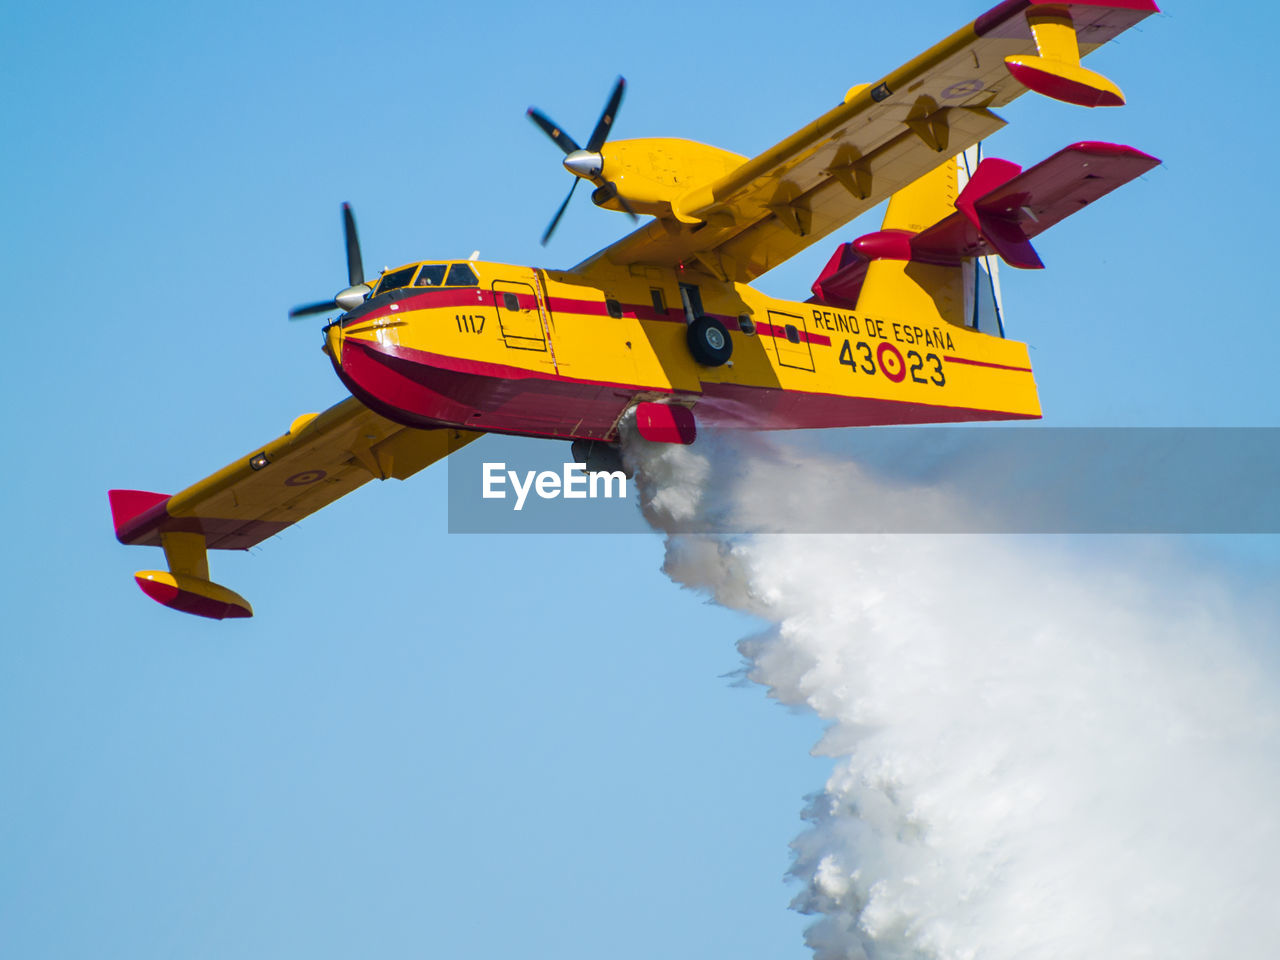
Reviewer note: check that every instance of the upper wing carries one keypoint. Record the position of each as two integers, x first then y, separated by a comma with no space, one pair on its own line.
321,458
881,138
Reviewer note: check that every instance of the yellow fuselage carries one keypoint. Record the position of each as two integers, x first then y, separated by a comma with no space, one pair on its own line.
549,353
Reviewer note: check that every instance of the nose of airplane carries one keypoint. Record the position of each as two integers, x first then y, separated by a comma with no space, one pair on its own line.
333,342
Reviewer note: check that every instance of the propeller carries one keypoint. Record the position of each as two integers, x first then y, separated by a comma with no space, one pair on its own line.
357,290
585,163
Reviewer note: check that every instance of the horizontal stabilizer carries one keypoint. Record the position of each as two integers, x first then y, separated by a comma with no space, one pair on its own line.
1000,218
999,212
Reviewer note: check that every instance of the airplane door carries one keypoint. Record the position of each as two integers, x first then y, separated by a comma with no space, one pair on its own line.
791,340
518,315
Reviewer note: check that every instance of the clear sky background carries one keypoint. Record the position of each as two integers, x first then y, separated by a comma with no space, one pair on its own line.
441,745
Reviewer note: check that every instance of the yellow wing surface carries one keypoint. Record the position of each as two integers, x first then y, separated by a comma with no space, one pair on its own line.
883,136
322,457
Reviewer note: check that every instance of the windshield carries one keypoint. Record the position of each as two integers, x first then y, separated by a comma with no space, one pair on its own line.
395,279
431,275
461,275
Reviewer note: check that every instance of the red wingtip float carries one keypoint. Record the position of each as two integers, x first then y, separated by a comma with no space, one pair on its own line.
192,595
1058,30
663,324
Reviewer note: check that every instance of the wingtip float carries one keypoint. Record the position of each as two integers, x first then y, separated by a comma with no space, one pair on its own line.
1063,33
141,517
663,324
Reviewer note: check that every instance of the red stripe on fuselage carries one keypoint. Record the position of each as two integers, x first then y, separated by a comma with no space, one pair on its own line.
769,330
474,296
984,363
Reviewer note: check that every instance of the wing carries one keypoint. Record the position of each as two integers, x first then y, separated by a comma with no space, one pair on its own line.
881,138
322,457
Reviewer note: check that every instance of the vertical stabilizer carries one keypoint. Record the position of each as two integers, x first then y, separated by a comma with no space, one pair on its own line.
931,292
984,310
922,203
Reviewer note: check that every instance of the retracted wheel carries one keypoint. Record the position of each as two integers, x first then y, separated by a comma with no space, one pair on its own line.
709,342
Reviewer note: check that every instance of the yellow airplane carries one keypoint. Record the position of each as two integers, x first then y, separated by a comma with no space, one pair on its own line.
662,324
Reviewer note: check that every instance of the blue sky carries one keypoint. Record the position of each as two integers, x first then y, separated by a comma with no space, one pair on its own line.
426,743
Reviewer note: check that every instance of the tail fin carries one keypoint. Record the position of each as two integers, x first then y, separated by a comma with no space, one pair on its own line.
897,286
984,307
921,204
934,273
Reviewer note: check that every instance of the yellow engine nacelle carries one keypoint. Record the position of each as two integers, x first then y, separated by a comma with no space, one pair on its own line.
651,173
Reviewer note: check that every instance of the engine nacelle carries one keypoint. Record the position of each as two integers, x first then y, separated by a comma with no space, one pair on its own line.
651,173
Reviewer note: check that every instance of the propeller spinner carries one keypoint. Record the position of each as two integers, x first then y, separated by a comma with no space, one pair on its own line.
357,290
585,163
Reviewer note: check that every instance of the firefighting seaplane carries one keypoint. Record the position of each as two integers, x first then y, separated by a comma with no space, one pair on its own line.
662,325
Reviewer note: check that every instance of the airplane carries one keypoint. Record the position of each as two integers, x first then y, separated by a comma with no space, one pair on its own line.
662,326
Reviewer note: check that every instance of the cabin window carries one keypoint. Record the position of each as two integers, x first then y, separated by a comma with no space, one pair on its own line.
614,308
431,275
792,333
461,275
659,301
746,325
511,302
396,279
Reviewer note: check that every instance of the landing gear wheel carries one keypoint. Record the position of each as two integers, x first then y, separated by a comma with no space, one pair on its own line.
709,342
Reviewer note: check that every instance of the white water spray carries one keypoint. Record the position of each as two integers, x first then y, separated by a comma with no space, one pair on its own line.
1037,753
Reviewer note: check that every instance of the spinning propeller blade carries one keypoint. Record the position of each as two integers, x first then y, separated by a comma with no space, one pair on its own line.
586,162
559,213
355,265
557,135
357,290
601,132
310,309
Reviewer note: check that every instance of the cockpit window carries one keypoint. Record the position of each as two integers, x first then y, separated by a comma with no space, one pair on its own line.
396,279
461,275
431,275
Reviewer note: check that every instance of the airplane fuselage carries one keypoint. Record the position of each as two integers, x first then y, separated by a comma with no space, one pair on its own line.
552,354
